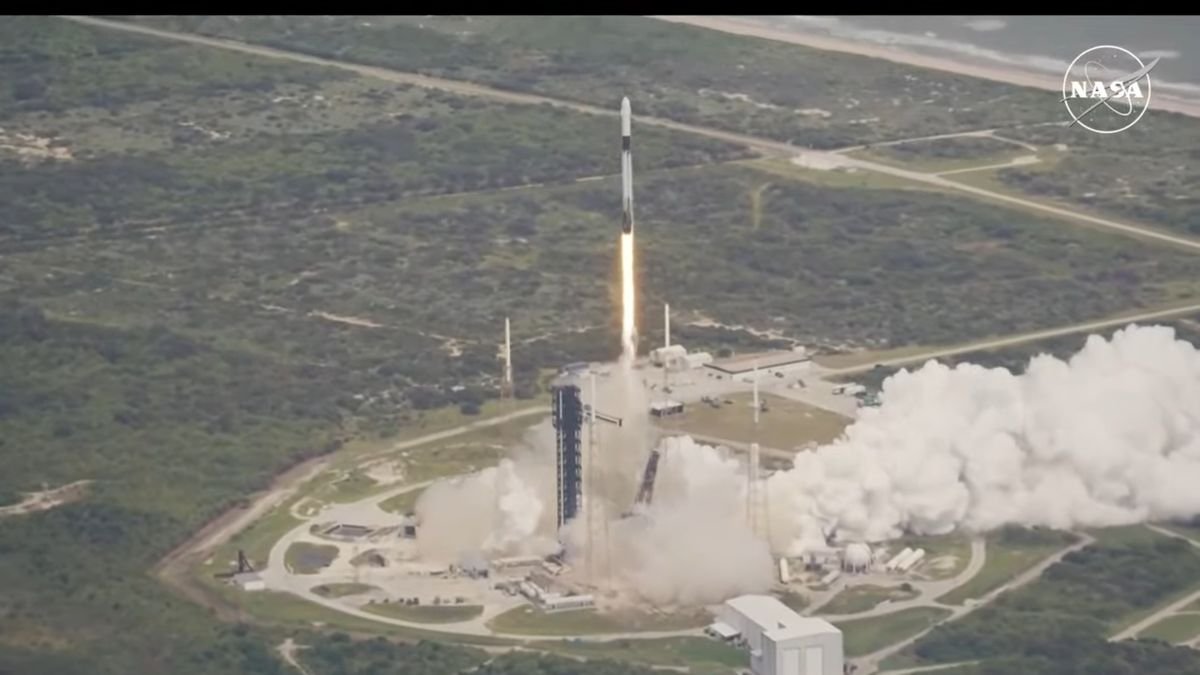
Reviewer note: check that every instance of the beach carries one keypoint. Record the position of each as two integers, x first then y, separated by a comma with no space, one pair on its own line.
1014,76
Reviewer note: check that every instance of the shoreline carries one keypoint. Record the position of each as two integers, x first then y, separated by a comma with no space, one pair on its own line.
1013,76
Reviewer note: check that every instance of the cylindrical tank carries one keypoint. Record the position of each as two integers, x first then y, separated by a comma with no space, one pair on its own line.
857,557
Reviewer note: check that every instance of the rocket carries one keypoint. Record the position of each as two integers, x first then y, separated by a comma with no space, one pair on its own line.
626,167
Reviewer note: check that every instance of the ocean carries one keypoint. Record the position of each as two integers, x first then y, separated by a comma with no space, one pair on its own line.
1043,44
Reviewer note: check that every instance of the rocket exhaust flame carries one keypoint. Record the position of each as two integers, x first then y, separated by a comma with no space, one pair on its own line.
628,329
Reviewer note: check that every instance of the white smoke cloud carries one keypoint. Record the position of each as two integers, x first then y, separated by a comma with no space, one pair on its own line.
1109,437
692,547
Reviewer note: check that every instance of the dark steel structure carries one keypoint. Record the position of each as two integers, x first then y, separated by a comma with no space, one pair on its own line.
645,493
568,428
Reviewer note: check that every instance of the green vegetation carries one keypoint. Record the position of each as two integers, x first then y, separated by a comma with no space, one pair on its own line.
864,636
1010,551
796,601
220,266
342,590
305,558
337,655
1174,629
425,613
528,620
692,652
699,76
402,503
946,154
1062,620
791,93
786,424
1157,192
862,598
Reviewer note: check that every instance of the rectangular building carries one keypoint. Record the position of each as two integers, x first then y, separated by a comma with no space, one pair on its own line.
780,641
769,363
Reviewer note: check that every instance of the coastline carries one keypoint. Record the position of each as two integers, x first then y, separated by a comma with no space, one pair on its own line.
1014,76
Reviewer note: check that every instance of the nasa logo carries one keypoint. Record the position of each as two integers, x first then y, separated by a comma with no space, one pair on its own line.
1103,89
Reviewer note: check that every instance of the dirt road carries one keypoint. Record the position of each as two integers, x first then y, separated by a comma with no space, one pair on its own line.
763,145
870,663
1132,631
1016,340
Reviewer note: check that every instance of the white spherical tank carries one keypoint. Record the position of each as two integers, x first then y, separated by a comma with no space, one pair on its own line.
857,556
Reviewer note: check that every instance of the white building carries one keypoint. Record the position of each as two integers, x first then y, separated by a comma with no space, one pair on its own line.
781,642
249,581
665,355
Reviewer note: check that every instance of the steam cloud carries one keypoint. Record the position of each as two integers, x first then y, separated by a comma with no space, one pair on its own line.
1110,436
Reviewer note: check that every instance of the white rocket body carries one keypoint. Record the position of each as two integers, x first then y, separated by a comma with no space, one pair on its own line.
626,167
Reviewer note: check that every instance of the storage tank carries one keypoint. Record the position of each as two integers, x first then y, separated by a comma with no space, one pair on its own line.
899,557
912,560
857,557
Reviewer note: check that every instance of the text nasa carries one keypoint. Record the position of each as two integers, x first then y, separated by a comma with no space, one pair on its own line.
1118,89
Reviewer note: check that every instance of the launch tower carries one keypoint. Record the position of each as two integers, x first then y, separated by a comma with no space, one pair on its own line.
568,428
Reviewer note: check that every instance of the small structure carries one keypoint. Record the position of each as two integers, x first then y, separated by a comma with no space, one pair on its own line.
784,574
897,559
249,581
722,631
851,389
347,531
769,363
664,356
911,561
408,526
780,641
856,558
517,561
666,408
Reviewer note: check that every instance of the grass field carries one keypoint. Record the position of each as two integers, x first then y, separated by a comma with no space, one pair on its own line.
1006,558
342,590
861,598
526,619
863,636
305,558
1175,629
401,503
793,599
786,425
945,154
426,613
692,652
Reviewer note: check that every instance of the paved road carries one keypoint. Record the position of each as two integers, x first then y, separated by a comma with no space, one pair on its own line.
761,144
1016,340
1023,160
929,590
1173,608
278,578
929,669
870,663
